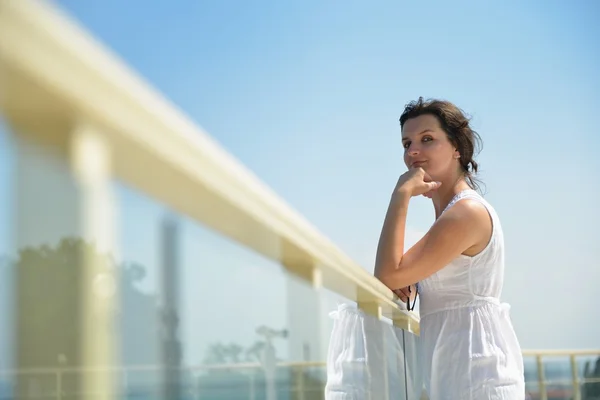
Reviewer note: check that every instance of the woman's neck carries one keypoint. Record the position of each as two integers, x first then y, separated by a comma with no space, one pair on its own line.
446,193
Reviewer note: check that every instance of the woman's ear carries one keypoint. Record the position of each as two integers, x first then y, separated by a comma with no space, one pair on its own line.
456,154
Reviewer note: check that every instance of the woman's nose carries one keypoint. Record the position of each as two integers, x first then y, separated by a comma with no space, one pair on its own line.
413,150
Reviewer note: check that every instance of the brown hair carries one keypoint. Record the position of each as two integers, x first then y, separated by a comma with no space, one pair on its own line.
456,125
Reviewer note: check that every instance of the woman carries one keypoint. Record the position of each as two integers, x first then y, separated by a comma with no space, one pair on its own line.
470,350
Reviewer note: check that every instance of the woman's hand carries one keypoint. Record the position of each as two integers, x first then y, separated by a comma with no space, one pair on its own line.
404,293
415,182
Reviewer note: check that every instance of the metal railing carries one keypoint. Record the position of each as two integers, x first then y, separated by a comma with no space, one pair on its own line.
563,387
63,92
568,388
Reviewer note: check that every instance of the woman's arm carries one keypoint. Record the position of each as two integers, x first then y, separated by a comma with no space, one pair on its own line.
393,231
391,241
390,249
457,230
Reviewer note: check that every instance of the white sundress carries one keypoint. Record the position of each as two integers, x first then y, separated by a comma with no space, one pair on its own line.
469,347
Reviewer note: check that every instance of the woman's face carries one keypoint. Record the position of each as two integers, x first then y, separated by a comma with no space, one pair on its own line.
426,145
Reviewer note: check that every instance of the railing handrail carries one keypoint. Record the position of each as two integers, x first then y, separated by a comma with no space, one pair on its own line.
46,57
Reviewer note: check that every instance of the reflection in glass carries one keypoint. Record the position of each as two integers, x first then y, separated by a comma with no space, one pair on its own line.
235,319
62,288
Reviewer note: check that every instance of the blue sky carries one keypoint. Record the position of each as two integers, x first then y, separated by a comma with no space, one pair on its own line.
307,94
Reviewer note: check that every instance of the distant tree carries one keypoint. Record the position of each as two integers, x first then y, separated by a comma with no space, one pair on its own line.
220,382
232,383
254,352
48,275
219,353
46,284
215,354
133,273
234,351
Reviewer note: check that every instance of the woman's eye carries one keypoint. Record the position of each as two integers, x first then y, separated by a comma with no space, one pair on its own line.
427,139
406,145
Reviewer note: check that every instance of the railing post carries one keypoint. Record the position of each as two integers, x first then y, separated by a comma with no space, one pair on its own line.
575,377
541,378
371,308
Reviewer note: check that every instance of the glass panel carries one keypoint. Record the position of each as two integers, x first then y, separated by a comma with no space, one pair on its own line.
229,314
249,326
241,326
198,316
243,318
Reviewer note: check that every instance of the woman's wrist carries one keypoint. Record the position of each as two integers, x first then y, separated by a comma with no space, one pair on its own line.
401,196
